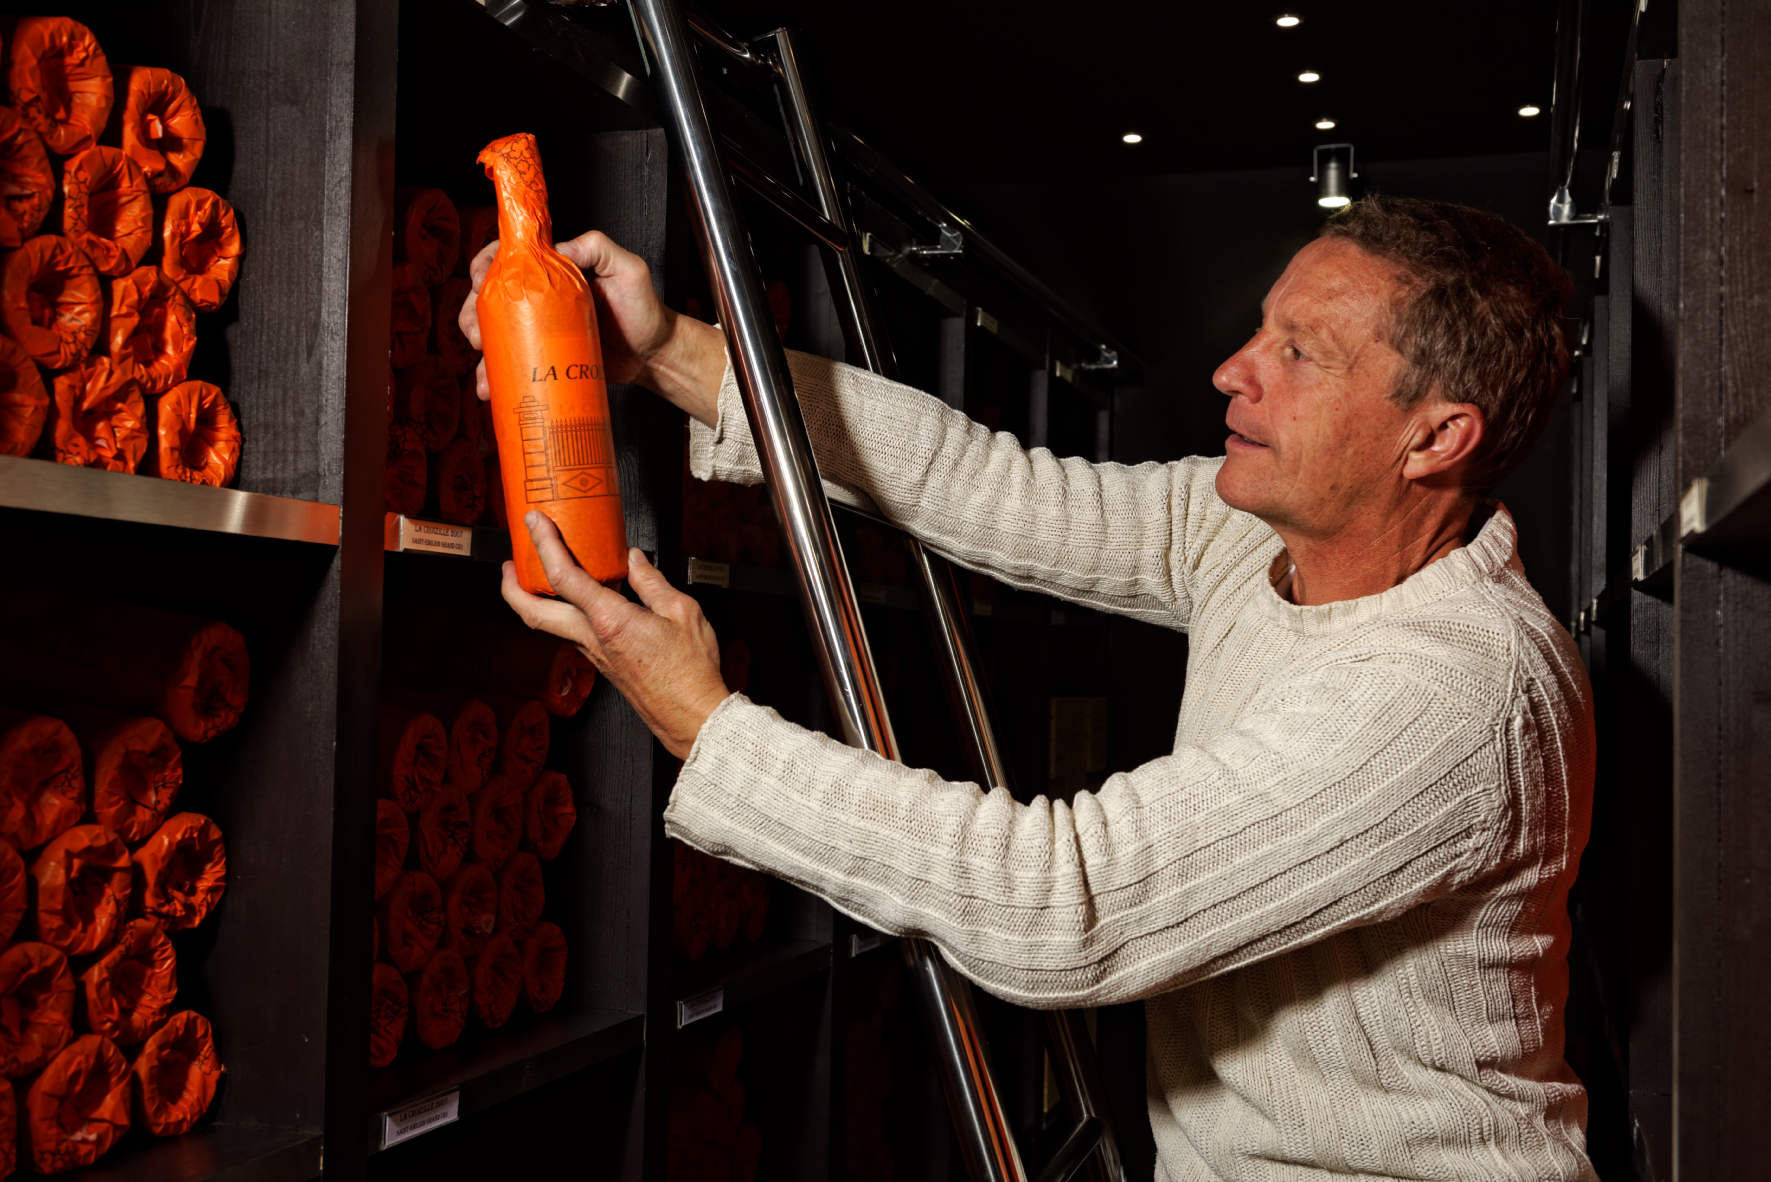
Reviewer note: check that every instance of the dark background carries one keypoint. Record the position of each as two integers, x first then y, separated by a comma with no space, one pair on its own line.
1012,114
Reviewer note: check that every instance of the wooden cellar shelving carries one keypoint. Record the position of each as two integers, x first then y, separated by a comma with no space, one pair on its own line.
316,117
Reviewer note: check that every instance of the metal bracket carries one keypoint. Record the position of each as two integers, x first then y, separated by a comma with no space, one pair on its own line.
951,245
1562,211
1104,358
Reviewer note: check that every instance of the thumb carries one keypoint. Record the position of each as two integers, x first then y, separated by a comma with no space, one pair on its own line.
648,582
594,252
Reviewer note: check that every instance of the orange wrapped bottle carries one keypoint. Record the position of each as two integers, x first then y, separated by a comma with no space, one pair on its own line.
550,407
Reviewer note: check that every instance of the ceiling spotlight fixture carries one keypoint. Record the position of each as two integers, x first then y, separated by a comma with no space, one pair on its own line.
1132,137
1288,21
1309,76
1331,167
1324,125
1529,112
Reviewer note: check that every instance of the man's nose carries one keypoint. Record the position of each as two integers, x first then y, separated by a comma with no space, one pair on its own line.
1236,376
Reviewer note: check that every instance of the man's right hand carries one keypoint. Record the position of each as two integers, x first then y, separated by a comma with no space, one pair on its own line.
643,341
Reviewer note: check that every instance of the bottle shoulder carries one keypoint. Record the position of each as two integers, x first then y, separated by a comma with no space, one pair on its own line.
528,272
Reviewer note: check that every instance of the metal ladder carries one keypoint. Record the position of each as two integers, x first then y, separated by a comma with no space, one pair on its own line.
845,660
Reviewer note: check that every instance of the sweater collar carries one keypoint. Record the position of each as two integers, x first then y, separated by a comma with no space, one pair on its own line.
1494,547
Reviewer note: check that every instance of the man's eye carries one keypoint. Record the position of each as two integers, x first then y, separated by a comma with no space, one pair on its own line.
1295,353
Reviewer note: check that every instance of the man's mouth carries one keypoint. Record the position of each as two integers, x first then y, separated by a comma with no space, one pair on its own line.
1238,437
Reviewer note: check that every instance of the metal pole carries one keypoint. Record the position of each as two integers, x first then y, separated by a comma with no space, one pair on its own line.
870,350
941,597
825,590
761,367
1565,111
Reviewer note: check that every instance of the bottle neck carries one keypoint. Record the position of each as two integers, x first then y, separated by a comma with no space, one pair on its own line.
517,223
514,164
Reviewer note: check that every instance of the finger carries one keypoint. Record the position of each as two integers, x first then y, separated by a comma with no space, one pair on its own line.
476,270
468,318
547,615
596,252
569,581
649,583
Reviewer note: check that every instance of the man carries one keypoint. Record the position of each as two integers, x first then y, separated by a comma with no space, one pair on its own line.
1343,896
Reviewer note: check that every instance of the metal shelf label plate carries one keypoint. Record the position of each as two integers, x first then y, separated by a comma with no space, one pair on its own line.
421,1116
711,574
702,1005
429,537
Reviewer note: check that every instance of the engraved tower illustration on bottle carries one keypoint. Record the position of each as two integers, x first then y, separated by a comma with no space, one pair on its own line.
562,459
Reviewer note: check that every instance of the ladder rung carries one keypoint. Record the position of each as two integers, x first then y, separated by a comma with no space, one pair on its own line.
764,184
727,44
1073,1152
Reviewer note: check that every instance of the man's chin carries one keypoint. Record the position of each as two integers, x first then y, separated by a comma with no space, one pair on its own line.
1232,490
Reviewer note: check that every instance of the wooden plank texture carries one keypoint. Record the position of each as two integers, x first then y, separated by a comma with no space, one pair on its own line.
1722,732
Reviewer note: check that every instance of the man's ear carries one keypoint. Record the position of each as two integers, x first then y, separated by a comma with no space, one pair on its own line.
1447,435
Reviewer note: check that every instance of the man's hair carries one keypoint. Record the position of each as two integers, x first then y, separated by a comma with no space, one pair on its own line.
1479,319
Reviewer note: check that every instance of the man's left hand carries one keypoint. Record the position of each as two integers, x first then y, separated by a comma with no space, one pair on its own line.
660,653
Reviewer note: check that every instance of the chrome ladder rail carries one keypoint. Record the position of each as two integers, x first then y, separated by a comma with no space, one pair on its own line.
825,589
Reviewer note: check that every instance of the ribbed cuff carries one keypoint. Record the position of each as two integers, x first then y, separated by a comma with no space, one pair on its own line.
724,451
689,815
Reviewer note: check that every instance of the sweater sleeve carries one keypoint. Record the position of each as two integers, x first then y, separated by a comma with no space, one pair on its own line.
1025,517
1351,795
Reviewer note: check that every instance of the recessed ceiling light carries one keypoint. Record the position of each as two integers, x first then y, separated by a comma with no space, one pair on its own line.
1324,125
1132,137
1309,76
1529,112
1288,21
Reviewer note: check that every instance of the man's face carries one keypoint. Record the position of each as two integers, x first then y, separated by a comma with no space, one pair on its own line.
1315,439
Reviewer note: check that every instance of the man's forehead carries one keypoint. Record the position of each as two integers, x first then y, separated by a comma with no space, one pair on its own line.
1331,280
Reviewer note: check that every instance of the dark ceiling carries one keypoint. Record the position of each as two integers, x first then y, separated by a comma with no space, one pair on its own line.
993,90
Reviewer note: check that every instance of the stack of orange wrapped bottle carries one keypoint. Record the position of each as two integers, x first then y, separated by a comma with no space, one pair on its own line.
733,523
715,905
100,875
467,816
441,457
709,1136
98,314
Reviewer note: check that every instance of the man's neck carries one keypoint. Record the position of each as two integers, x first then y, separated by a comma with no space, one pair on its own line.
1365,558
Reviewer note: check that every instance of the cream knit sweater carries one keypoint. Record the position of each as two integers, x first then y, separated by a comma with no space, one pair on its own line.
1342,897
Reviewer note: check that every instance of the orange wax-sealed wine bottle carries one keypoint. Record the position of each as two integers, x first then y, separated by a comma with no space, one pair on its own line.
550,407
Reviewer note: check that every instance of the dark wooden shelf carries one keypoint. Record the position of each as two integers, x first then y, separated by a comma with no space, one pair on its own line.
218,1152
488,1067
1725,515
1731,509
46,487
722,983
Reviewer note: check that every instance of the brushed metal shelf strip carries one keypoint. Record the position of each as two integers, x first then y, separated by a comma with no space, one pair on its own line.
45,487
